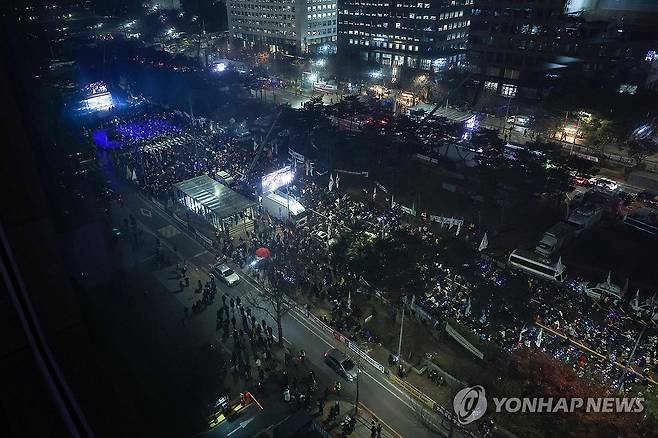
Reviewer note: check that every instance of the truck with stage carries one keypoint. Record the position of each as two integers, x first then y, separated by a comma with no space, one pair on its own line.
285,209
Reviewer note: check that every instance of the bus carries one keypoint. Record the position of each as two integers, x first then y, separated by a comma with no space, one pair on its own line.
533,264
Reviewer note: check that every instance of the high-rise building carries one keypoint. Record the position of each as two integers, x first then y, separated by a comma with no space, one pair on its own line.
292,26
512,44
524,48
425,34
170,5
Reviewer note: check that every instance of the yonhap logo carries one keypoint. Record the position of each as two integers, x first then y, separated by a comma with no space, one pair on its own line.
470,404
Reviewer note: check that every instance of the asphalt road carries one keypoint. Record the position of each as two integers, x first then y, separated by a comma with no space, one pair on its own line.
394,406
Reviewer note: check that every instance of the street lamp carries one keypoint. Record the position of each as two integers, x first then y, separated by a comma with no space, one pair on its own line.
404,303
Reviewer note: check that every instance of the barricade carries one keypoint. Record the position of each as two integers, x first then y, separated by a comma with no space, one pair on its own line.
415,392
352,346
203,237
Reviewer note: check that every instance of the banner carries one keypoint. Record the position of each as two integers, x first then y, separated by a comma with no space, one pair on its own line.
351,172
355,348
415,392
462,340
381,187
296,155
411,211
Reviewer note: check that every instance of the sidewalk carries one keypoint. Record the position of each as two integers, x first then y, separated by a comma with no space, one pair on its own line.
365,421
187,296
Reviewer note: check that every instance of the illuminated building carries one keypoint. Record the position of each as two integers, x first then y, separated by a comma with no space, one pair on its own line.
291,26
523,48
428,35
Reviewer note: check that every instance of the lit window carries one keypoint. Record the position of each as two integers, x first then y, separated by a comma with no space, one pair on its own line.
508,90
491,86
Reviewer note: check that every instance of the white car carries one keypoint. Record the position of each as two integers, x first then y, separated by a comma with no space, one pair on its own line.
605,183
226,274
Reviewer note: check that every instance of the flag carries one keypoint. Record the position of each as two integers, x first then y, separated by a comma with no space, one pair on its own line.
539,336
374,193
484,243
468,307
608,280
559,267
459,227
392,202
523,329
337,179
134,176
635,302
349,300
128,172
331,182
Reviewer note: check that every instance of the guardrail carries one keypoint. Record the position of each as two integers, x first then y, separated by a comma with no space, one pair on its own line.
444,414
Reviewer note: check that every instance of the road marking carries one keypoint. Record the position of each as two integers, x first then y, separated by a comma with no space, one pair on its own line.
379,419
312,330
242,425
199,254
271,426
306,325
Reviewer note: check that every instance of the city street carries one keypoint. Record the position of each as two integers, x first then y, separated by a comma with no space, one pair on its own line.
289,96
376,391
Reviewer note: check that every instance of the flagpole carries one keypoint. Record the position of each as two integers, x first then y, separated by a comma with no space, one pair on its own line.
628,362
404,302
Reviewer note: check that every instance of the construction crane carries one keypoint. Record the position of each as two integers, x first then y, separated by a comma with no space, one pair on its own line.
438,105
259,151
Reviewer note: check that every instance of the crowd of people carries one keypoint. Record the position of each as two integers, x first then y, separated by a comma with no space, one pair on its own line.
503,313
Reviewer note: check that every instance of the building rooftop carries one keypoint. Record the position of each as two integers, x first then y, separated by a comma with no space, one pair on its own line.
220,199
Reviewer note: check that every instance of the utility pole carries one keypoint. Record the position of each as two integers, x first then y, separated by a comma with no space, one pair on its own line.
404,304
358,372
628,362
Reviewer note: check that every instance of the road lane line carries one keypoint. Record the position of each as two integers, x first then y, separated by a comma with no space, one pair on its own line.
308,328
305,324
363,405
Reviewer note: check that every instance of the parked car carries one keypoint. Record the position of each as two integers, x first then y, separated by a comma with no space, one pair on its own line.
342,364
581,180
604,183
226,274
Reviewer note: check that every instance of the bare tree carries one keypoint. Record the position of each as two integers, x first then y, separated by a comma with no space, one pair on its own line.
272,300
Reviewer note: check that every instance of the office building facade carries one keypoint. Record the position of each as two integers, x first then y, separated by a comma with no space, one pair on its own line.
290,26
524,48
512,43
427,35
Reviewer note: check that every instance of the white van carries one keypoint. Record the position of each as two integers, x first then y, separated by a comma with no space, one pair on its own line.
536,265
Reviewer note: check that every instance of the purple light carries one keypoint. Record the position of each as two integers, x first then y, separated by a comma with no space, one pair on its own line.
110,138
471,123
